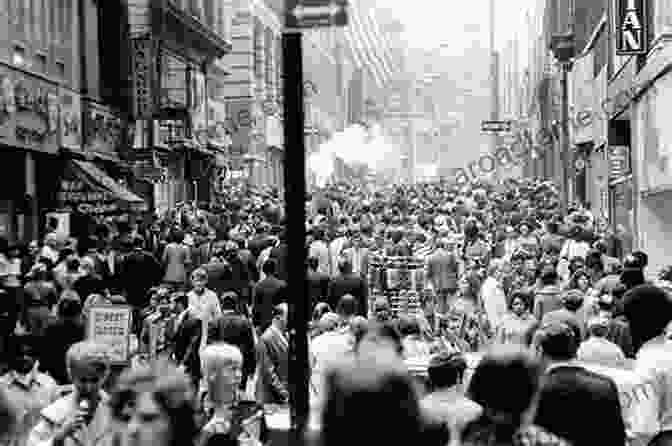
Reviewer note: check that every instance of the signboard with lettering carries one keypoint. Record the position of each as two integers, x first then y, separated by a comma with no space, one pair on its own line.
143,65
71,119
631,27
316,13
111,325
29,112
244,123
496,126
618,161
103,129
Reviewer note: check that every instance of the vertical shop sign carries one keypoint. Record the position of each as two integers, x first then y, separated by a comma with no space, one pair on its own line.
143,77
631,27
71,120
618,162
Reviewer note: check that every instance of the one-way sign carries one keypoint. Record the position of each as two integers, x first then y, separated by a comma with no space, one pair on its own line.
316,13
496,126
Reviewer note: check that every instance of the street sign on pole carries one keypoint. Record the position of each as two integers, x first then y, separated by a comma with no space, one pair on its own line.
496,126
316,13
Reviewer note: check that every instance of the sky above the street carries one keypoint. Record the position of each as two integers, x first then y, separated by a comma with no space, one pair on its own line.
456,22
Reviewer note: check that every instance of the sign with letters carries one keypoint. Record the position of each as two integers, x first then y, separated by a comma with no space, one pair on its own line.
631,27
111,325
143,63
316,13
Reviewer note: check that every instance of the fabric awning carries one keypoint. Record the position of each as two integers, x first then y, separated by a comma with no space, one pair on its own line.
87,189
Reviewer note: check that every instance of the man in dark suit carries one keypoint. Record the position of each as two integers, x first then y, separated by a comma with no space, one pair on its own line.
235,329
318,283
574,391
138,272
349,283
273,360
267,294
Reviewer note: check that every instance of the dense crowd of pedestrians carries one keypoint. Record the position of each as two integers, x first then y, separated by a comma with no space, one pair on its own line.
530,317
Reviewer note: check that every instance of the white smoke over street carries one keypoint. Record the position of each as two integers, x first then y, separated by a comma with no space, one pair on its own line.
355,144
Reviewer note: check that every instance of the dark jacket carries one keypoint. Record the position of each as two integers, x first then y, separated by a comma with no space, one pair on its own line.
219,274
572,396
235,330
58,337
186,344
318,287
273,365
139,271
267,294
88,285
279,254
350,284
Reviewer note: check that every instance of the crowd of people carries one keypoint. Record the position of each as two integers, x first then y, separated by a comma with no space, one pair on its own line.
522,305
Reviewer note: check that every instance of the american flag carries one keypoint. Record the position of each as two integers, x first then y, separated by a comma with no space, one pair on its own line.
368,46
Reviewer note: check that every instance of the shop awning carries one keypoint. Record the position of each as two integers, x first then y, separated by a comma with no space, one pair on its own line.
87,189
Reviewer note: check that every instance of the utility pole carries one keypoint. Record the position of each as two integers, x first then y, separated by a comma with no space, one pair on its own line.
295,197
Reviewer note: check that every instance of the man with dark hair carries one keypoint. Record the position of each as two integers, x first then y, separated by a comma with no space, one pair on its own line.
318,283
557,343
446,403
235,329
349,283
266,294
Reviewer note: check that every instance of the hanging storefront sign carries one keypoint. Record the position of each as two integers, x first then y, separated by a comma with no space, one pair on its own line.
143,63
199,109
29,112
244,124
618,162
631,27
71,120
103,129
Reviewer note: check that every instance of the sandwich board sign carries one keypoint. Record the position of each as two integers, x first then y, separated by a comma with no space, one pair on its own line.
302,14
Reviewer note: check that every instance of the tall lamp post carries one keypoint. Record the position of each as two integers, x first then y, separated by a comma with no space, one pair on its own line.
562,46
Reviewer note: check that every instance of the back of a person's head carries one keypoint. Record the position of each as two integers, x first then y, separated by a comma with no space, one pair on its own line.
558,339
446,369
505,381
648,309
580,406
409,326
370,401
270,266
69,307
572,300
386,331
347,306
